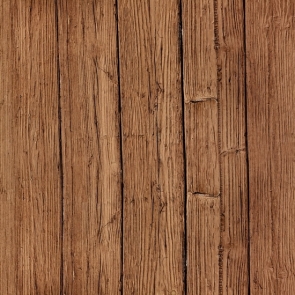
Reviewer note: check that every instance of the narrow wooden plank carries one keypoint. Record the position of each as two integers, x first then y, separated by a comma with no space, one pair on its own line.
225,20
270,72
203,213
30,185
152,147
202,147
234,275
203,184
203,174
91,147
199,58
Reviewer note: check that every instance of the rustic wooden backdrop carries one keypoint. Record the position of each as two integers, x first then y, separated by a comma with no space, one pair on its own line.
147,147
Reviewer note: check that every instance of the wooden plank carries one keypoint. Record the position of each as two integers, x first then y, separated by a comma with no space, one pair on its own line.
30,185
203,223
91,147
199,58
270,72
203,173
202,147
207,25
234,273
152,147
203,182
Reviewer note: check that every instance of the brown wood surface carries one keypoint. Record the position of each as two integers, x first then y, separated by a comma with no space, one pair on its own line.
30,182
150,77
147,147
234,264
91,147
271,125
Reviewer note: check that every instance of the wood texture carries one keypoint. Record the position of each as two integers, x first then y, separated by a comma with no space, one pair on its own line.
30,186
214,77
203,223
202,147
234,268
91,147
271,127
147,147
152,147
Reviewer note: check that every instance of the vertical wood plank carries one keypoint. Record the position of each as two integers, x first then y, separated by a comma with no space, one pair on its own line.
199,58
203,223
152,146
270,72
91,147
223,21
30,185
202,149
229,24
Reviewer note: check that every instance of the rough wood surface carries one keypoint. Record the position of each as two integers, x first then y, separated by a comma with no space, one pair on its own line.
271,125
30,186
91,147
202,149
234,269
153,165
203,223
215,140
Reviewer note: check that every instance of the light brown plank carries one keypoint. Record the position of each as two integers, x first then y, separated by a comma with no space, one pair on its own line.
224,31
30,186
199,58
271,104
203,173
234,182
152,147
203,223
91,147
203,184
202,149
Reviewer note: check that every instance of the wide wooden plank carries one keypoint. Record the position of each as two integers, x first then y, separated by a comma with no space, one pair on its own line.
30,183
234,268
153,165
91,147
271,104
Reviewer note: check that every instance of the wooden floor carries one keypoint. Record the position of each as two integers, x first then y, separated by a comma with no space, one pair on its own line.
147,147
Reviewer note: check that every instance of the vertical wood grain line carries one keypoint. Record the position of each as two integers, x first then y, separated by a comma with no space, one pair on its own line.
184,149
121,148
218,75
61,170
247,146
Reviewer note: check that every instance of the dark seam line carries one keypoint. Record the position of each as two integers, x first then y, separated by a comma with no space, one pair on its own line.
60,151
218,83
121,145
247,146
185,243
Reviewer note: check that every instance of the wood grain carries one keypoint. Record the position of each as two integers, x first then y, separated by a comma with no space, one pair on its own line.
216,80
234,266
152,147
203,223
91,147
30,183
270,64
202,147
